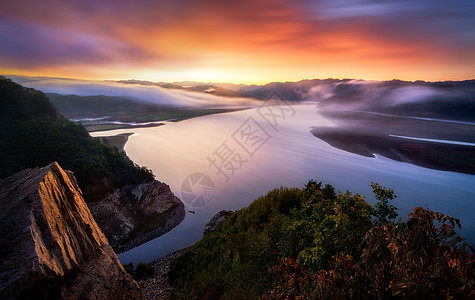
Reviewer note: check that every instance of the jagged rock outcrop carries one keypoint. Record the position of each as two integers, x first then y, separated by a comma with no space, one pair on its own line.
216,219
50,245
133,215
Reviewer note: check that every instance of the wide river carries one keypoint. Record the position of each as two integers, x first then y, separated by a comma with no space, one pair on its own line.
237,157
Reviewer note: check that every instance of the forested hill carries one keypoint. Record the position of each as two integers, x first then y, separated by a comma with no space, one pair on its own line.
34,134
315,243
18,103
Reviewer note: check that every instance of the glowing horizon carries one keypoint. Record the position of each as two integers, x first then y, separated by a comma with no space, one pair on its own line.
250,42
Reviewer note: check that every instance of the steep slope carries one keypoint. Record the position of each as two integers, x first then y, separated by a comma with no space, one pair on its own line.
33,134
50,246
317,243
135,214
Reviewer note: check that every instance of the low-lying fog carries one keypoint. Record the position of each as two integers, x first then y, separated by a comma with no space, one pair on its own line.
141,93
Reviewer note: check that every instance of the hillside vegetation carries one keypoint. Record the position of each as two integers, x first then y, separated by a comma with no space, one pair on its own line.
314,243
34,134
100,113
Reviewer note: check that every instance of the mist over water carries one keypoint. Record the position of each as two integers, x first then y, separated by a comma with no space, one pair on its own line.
141,93
289,157
359,93
284,152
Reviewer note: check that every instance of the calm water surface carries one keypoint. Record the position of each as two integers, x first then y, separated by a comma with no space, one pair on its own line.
280,153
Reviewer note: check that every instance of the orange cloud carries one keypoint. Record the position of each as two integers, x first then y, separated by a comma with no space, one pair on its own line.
247,41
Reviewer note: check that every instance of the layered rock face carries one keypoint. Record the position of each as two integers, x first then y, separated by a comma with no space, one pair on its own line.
133,215
50,245
216,220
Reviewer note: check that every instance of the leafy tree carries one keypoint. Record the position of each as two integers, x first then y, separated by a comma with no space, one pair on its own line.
144,270
314,243
382,210
129,268
424,257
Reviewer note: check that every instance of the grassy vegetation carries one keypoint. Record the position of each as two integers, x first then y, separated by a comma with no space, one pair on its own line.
122,109
74,105
34,134
118,141
180,115
314,243
175,114
105,127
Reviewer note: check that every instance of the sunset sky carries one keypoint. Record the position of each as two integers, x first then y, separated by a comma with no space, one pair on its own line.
239,41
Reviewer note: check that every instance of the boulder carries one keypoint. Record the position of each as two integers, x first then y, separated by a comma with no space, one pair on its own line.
216,219
135,214
50,245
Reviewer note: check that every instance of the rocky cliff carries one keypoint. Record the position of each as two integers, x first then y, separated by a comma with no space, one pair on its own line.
135,214
216,220
28,119
50,245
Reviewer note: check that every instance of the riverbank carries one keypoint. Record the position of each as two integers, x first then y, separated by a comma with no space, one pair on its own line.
111,126
145,119
118,141
158,287
179,149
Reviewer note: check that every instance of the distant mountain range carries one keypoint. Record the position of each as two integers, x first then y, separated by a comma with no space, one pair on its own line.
224,90
452,100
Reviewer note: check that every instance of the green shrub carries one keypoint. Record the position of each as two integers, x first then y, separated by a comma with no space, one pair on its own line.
314,243
142,271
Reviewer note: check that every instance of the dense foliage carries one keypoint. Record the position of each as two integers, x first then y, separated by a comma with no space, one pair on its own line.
314,243
34,134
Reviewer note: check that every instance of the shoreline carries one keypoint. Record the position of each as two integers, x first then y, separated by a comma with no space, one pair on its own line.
370,170
158,286
106,126
118,140
111,126
173,218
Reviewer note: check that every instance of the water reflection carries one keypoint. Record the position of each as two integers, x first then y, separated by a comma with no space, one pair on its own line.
290,157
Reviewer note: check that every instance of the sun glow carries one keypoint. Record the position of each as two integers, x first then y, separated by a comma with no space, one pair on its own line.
247,42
